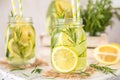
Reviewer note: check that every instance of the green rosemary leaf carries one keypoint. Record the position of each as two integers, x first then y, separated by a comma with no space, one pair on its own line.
50,78
36,70
82,54
70,41
61,15
100,13
17,69
71,33
54,37
82,42
12,15
25,74
84,74
7,53
103,69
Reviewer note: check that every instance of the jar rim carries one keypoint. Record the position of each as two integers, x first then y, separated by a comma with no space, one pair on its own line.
17,19
68,20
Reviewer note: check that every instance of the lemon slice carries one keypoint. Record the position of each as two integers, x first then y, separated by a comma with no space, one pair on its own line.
65,4
58,7
107,54
26,33
81,48
13,48
29,49
81,64
64,59
62,5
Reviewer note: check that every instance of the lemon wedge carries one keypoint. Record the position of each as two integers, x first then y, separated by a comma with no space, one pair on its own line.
13,48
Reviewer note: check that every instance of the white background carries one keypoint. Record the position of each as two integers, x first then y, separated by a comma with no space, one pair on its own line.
37,10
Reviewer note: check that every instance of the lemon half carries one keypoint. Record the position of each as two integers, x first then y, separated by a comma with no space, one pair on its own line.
107,54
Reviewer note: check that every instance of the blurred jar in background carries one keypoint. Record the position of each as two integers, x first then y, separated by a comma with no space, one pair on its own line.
57,9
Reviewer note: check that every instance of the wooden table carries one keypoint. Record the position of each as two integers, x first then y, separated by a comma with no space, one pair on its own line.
44,53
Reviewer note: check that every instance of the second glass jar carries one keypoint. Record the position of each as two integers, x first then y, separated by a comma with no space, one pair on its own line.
68,46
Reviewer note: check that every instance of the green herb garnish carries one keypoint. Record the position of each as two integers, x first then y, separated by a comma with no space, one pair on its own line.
17,69
103,69
71,32
11,14
54,38
98,15
50,78
25,74
36,70
84,74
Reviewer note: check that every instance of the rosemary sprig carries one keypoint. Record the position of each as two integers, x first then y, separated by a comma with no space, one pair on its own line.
82,54
11,14
50,78
100,12
7,53
25,74
17,69
61,15
84,74
36,70
103,69
71,32
54,38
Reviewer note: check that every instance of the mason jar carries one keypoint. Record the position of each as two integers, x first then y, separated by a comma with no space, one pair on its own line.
20,41
68,46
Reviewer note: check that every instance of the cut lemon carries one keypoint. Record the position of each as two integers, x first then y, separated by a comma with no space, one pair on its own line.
26,33
13,48
18,51
64,59
107,54
58,7
115,44
81,48
81,64
28,50
65,4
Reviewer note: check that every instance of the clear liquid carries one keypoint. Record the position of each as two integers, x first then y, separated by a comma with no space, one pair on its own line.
20,43
74,38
